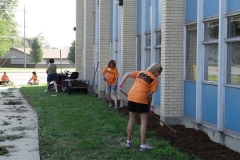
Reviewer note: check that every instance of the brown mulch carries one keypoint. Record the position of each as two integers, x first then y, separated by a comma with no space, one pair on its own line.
189,140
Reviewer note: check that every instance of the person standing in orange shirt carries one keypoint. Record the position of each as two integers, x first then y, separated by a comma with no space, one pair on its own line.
139,100
110,76
5,78
34,78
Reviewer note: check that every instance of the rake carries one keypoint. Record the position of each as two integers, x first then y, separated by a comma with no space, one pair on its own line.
160,120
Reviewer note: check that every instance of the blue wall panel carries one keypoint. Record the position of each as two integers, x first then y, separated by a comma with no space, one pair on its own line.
211,8
190,99
190,10
233,5
209,103
157,95
139,16
147,15
232,109
158,14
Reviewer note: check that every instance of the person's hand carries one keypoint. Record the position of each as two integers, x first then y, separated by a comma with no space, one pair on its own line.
105,79
150,112
114,87
120,87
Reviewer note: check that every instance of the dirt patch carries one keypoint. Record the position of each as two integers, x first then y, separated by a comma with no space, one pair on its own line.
193,142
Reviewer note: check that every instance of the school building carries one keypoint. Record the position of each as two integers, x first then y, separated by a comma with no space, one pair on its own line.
196,41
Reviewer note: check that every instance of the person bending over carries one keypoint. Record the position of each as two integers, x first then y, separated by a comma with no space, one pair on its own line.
139,100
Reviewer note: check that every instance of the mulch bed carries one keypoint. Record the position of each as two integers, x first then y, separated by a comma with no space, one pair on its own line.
193,142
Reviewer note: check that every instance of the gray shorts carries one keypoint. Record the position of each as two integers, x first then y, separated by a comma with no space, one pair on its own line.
109,89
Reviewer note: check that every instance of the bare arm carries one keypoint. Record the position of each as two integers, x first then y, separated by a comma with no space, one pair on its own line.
150,98
128,74
48,66
30,79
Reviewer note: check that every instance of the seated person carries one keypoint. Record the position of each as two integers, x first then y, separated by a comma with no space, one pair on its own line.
34,79
4,79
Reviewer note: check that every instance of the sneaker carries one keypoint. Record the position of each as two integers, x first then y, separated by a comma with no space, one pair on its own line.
110,105
129,144
144,147
56,91
45,90
116,107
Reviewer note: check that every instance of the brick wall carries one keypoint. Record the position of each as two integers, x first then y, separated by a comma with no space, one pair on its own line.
79,37
104,42
89,41
128,40
172,60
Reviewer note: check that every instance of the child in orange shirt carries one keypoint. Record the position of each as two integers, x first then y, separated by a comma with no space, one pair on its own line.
139,100
34,78
5,78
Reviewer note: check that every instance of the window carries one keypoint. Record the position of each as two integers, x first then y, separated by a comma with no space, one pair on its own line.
148,40
233,69
158,46
158,38
211,30
234,26
233,51
148,50
211,51
211,63
191,52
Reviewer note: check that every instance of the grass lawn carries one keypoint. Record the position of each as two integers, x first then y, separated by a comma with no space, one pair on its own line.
81,127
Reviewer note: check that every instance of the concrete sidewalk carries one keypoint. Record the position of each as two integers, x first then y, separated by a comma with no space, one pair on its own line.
18,126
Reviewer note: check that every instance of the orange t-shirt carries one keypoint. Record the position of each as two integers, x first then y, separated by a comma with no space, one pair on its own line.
4,78
111,74
144,82
34,78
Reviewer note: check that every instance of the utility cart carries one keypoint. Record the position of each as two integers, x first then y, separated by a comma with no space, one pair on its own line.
73,84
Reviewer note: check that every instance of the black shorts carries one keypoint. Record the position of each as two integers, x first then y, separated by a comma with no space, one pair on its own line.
137,107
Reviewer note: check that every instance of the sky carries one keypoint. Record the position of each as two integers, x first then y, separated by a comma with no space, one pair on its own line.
53,19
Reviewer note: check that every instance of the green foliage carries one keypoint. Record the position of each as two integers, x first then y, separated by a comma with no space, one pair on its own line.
71,54
79,126
7,14
36,53
4,40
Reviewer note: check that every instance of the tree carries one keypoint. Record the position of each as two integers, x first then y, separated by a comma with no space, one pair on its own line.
4,40
8,31
36,53
71,54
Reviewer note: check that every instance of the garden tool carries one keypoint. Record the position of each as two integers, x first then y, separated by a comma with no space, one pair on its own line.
159,119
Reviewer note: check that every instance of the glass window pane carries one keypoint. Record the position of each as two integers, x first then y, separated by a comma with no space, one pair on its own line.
211,30
211,63
191,53
158,38
234,26
148,58
233,69
148,40
158,52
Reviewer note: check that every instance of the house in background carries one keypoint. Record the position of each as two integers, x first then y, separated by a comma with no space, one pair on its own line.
15,58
